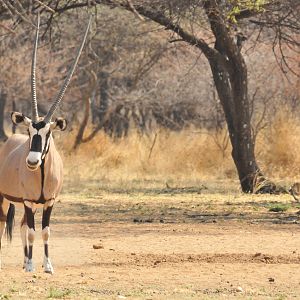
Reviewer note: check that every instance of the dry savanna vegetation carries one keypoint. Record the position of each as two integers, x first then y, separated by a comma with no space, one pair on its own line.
163,217
153,205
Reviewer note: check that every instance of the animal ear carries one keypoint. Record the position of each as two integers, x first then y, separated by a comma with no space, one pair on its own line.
59,124
19,119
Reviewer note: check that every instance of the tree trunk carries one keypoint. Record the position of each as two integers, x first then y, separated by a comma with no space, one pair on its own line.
100,113
3,97
235,104
79,136
231,79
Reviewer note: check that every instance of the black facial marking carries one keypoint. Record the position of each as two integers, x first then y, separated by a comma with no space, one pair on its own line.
36,143
61,123
46,149
39,125
19,118
36,140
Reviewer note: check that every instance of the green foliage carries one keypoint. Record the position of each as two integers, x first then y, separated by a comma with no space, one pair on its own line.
237,6
58,293
279,207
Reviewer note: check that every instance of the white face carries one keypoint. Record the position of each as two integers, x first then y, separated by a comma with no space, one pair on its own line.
39,135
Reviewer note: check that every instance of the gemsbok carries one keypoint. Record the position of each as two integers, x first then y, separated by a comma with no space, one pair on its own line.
31,169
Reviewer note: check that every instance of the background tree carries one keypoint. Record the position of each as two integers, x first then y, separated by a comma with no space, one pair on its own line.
3,95
216,28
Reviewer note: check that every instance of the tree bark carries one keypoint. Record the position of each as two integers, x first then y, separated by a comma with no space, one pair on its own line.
231,80
79,136
100,112
236,109
3,97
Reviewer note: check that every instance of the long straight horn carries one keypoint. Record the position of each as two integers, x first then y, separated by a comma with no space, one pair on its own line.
35,114
68,78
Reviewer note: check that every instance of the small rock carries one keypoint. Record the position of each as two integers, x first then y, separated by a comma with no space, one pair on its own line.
271,279
239,289
98,246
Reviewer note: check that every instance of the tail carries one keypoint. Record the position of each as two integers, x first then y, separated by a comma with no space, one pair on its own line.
10,221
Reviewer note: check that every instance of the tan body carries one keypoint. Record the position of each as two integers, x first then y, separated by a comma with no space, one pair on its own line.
31,170
17,181
30,189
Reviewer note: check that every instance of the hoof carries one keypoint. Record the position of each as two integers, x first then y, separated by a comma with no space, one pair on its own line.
48,266
25,263
29,267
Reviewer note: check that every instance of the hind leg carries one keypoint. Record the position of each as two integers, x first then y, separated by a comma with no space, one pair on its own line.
24,237
4,205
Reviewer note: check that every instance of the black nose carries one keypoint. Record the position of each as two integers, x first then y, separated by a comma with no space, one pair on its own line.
32,163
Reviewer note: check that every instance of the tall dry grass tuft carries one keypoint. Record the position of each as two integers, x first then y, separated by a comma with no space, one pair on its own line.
278,147
186,156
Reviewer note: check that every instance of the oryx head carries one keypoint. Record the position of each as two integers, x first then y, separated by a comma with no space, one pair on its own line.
40,128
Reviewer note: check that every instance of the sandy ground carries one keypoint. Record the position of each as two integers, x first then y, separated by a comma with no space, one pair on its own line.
157,246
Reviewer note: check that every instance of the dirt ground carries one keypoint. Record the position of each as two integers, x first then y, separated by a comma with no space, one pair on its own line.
162,244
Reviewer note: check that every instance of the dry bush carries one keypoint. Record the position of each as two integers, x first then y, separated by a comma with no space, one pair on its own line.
185,155
188,155
278,147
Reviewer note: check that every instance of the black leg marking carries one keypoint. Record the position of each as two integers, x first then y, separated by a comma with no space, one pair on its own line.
45,223
46,250
30,252
29,217
25,251
30,223
46,216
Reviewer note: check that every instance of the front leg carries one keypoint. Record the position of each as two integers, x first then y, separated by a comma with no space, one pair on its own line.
24,237
46,234
30,210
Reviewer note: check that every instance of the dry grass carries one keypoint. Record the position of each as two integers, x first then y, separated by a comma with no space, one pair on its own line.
185,158
180,158
278,148
175,156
